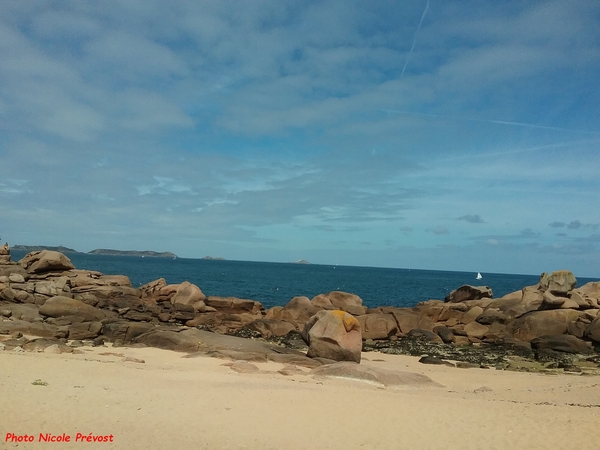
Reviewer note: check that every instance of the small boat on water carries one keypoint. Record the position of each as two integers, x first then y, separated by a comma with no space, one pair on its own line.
478,277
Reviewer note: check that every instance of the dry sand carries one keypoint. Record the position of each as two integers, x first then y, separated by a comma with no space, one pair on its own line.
170,402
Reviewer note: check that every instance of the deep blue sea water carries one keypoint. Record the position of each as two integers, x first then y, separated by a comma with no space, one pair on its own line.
276,283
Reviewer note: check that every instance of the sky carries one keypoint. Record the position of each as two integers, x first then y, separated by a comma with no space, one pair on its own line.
445,135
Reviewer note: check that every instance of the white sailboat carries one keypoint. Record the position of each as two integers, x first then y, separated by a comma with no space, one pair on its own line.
478,277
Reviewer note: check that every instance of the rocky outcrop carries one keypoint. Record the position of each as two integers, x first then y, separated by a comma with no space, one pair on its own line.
468,292
43,295
334,335
64,306
45,261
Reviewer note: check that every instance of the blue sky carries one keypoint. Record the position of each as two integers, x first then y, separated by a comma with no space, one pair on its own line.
440,135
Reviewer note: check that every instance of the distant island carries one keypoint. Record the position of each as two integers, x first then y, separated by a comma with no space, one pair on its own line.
214,258
39,248
104,251
301,261
98,251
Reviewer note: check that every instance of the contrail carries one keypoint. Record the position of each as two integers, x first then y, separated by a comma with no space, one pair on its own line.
499,122
415,38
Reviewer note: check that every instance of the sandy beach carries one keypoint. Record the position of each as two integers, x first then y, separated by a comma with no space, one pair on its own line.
171,402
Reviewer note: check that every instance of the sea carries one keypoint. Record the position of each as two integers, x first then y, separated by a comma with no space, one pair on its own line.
275,284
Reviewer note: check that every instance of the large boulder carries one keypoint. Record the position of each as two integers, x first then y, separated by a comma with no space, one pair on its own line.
45,261
84,330
539,323
408,320
334,335
592,332
588,295
152,289
190,294
64,306
345,301
298,311
468,292
561,282
377,326
561,343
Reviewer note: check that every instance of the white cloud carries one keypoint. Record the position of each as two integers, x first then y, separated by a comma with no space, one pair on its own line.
269,119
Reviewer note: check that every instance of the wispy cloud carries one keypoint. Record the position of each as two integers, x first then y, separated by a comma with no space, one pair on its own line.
471,218
282,126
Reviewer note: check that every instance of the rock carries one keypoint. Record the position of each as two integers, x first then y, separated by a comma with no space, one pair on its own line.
190,294
32,328
490,316
53,287
298,311
424,335
383,377
496,332
345,301
54,348
467,292
539,323
335,335
551,301
169,340
125,331
271,327
16,278
435,361
84,330
45,261
592,332
64,306
431,310
27,312
16,296
561,343
588,293
377,326
322,301
475,330
444,333
233,305
561,282
152,289
471,315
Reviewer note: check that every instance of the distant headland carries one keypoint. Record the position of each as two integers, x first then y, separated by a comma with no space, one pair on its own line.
98,251
39,248
213,258
104,251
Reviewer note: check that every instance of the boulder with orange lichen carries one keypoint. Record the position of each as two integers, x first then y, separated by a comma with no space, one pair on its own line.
334,335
